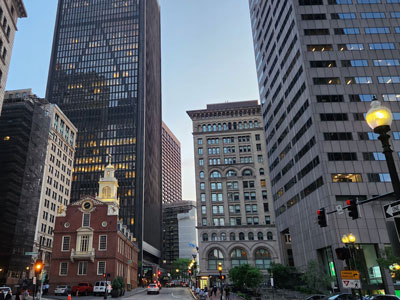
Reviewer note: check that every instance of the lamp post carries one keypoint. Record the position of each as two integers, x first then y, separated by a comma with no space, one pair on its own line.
350,239
379,118
220,276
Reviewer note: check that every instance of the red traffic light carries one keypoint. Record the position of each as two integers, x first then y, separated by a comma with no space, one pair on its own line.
321,217
159,273
348,202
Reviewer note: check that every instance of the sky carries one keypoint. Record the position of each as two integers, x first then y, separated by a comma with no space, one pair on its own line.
207,57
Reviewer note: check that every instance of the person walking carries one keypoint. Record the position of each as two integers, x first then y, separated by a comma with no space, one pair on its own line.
227,293
8,296
214,290
18,295
2,295
25,295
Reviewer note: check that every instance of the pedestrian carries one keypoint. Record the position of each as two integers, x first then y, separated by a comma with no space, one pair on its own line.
46,288
1,294
227,293
18,295
8,296
25,295
197,291
201,294
214,290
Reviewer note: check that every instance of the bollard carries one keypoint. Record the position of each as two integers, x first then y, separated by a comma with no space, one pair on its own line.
69,296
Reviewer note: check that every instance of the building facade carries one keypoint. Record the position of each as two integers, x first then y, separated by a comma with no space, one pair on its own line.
179,230
319,64
105,74
171,167
10,12
24,132
57,179
236,222
90,240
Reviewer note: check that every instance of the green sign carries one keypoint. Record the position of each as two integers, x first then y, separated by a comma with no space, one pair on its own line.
332,269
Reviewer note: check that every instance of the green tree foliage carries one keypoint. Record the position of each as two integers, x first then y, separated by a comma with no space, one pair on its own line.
315,278
181,264
387,259
284,276
245,277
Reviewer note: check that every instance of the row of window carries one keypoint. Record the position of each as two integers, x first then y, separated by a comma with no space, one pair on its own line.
229,126
219,209
355,80
232,185
354,63
82,268
353,30
228,150
352,156
357,98
350,47
238,256
233,196
349,15
344,117
356,177
228,140
235,221
83,242
241,236
345,2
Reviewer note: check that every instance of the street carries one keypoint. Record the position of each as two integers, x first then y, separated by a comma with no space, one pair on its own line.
165,294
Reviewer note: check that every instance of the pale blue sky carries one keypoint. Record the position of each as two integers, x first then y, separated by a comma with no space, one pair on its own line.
207,57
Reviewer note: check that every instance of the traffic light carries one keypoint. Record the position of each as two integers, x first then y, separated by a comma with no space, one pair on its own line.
190,272
321,217
159,273
219,267
353,208
104,275
223,277
38,267
342,253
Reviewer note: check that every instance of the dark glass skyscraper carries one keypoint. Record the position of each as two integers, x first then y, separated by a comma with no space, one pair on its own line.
105,74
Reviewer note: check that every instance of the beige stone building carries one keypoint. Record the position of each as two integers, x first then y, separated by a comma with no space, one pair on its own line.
10,11
234,201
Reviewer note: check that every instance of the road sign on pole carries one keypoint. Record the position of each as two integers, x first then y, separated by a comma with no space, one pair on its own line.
31,253
350,274
351,284
392,209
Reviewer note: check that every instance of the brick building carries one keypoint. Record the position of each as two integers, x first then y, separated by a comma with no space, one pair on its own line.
89,239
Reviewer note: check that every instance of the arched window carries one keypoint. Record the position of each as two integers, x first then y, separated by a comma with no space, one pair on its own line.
251,124
247,172
251,236
238,257
241,236
106,192
204,128
245,125
262,171
229,125
270,236
256,124
209,127
260,236
201,175
225,127
240,125
214,257
219,127
263,258
214,127
214,237
205,237
234,125
223,236
232,236
231,173
215,174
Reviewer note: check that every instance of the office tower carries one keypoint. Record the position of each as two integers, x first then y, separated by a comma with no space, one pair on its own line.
171,167
319,63
24,133
234,202
10,11
105,75
179,231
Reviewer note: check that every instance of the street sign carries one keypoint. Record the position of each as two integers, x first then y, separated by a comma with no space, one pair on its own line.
392,209
31,253
351,284
339,209
350,275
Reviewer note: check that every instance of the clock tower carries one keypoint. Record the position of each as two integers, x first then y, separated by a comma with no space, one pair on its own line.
108,188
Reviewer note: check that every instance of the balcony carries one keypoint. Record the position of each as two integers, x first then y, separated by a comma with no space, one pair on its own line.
79,255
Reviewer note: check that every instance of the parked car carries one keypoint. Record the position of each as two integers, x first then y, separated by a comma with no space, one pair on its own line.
6,290
153,289
384,297
83,288
63,290
170,284
100,287
341,296
315,297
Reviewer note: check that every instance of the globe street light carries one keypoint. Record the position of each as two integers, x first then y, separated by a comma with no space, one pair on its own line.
379,118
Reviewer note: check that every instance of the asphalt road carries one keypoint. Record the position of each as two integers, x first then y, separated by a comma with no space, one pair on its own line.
165,294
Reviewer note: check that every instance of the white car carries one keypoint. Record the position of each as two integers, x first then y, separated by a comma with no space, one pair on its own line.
63,290
153,288
6,290
100,287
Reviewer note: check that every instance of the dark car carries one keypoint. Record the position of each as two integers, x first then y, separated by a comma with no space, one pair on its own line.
341,296
315,297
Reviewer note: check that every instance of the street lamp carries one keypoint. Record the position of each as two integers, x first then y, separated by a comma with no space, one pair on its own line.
220,275
379,118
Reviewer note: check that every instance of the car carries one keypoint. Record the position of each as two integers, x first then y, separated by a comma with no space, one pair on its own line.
341,296
6,290
153,288
315,297
100,287
170,284
384,297
83,288
63,290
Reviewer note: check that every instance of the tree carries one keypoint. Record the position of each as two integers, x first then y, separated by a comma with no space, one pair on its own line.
284,276
245,277
180,264
315,278
388,259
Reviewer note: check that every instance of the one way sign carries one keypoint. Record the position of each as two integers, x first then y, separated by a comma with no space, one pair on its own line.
392,210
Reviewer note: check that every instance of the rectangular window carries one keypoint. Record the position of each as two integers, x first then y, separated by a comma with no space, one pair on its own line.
310,2
391,97
343,16
309,17
355,63
342,156
381,46
350,47
377,30
84,243
340,2
65,243
86,220
338,136
102,242
334,117
358,80
373,15
326,80
361,97
368,1
322,63
204,209
267,220
330,98
346,177
320,47
319,31
199,141
101,267
389,79
82,268
63,269
386,62
379,177
373,156
349,30
203,197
